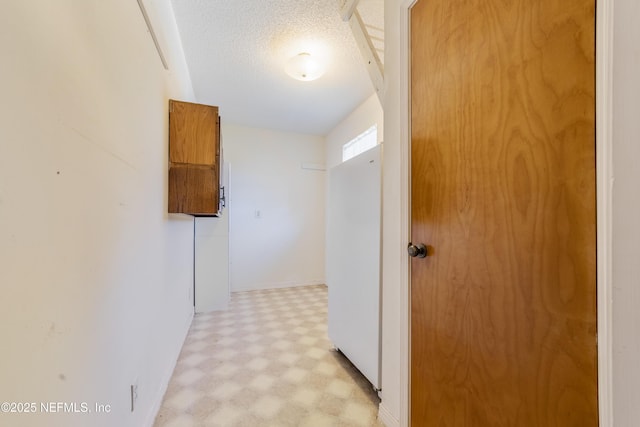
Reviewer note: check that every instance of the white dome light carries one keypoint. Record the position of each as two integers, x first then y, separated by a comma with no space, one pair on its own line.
304,67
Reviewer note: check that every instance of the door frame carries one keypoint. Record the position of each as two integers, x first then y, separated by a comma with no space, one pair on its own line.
604,206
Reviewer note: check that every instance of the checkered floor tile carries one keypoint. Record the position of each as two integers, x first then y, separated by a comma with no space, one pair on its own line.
267,361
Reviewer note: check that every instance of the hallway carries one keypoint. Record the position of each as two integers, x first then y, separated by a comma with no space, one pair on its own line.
266,361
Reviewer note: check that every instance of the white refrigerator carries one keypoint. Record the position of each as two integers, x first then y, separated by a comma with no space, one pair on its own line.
353,260
211,257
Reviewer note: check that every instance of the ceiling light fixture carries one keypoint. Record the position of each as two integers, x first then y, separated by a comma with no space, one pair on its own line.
304,67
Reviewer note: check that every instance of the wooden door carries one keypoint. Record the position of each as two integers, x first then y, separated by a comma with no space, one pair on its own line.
503,308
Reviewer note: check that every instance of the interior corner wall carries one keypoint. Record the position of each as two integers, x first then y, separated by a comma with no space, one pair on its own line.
96,277
625,213
367,114
276,207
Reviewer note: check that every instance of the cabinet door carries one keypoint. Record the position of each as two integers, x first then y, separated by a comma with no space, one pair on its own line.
194,158
193,190
193,133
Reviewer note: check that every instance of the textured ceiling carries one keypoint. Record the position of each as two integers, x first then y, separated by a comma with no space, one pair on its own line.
236,52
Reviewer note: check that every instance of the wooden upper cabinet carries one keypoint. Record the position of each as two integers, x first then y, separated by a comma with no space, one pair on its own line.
194,159
193,133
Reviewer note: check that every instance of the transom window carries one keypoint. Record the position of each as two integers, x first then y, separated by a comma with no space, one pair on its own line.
361,143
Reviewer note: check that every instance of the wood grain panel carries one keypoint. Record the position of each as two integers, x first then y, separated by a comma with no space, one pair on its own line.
193,190
503,311
193,133
194,158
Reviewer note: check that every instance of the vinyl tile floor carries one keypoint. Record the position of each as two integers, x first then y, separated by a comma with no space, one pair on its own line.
267,361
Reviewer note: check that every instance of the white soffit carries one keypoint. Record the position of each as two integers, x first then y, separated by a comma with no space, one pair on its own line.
236,51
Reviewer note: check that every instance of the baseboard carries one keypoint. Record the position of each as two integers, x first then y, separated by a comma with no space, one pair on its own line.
278,285
166,378
385,417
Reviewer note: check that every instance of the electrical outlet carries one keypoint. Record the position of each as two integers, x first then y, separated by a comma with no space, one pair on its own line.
134,394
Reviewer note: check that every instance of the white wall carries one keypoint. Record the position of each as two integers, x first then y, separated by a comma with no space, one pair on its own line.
95,277
359,120
626,213
285,245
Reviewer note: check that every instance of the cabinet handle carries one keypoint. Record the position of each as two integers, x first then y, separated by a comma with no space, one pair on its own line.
223,199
